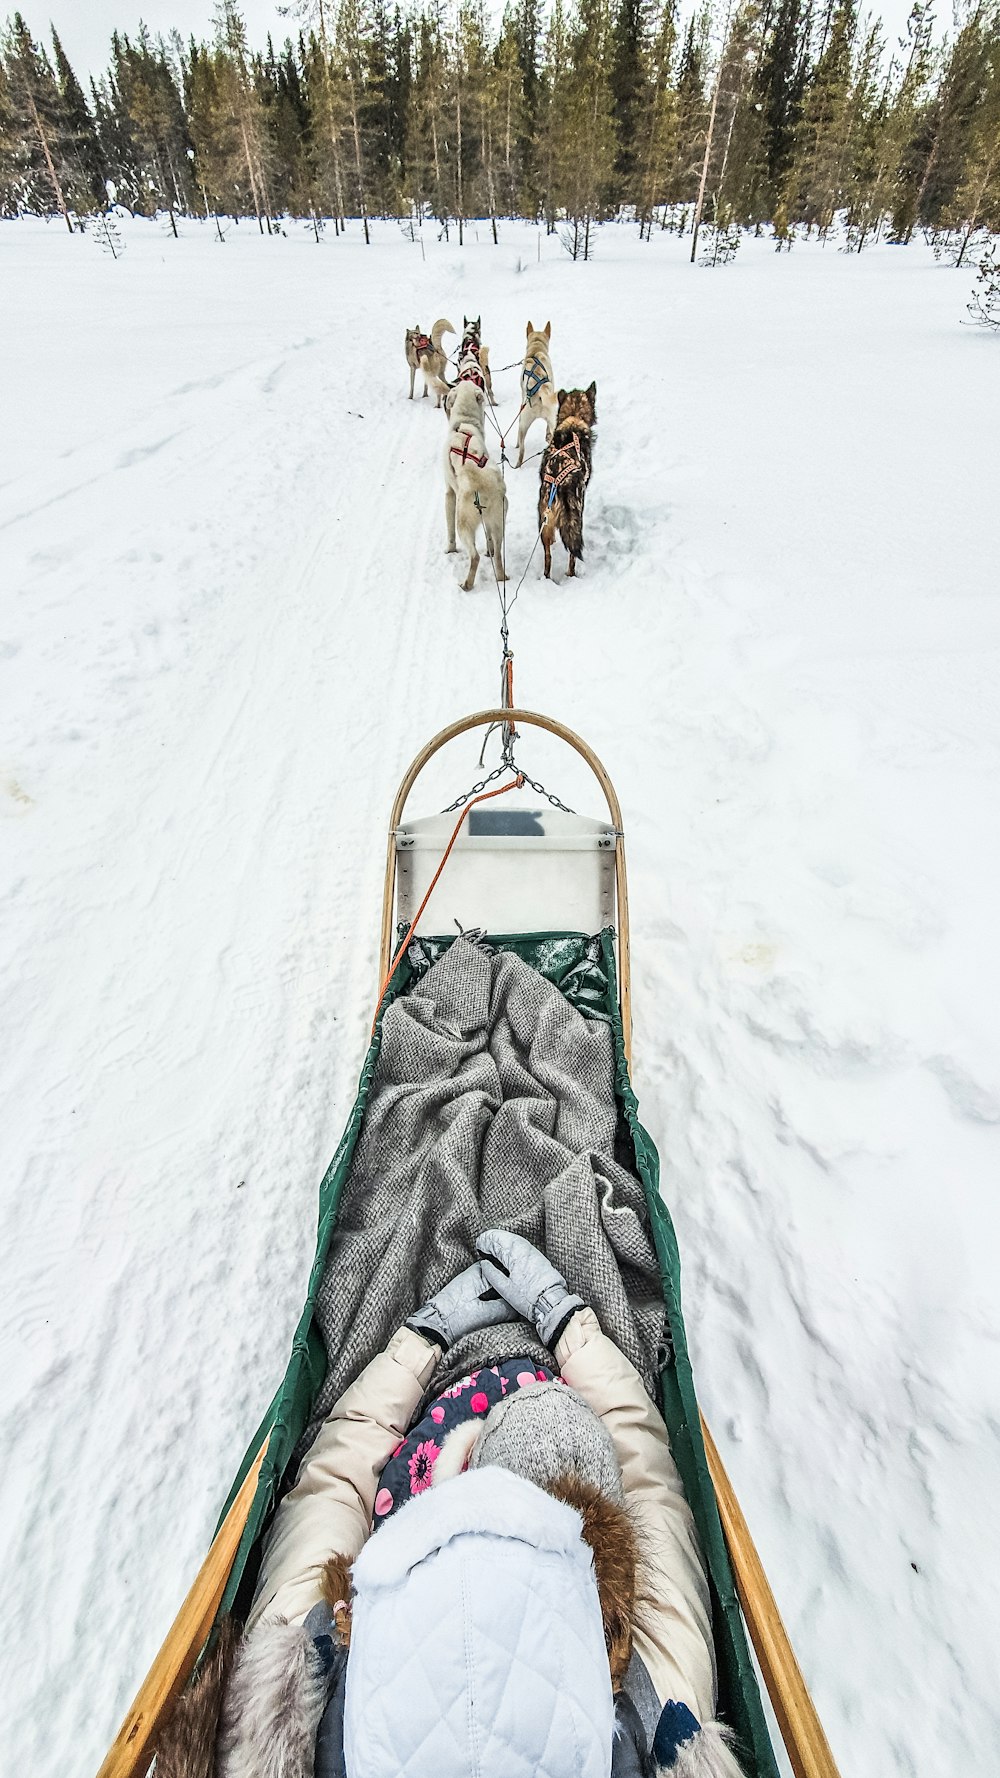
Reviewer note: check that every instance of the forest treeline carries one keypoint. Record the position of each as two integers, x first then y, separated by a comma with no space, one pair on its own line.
787,113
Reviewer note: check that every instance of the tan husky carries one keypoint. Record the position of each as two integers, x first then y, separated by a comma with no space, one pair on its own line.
538,388
474,493
424,353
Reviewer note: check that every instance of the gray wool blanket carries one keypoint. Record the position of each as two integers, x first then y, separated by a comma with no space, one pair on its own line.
492,1105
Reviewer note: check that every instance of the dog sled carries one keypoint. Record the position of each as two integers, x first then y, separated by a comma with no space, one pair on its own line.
553,884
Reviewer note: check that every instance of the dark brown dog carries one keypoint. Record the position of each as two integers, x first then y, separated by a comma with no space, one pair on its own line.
566,466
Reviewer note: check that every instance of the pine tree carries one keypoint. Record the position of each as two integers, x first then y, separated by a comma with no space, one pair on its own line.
34,130
353,26
885,107
737,64
428,120
818,173
692,113
554,99
781,84
152,128
240,106
587,138
526,19
977,201
944,137
509,108
629,76
657,122
81,131
326,102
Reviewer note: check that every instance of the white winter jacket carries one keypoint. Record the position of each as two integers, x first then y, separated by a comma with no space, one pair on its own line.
329,1511
476,1637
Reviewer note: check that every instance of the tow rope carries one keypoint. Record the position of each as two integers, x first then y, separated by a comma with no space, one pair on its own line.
483,797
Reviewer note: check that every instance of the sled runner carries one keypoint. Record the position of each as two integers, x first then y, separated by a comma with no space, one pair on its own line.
550,886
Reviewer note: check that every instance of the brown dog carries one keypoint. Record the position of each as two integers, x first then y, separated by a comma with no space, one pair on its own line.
566,467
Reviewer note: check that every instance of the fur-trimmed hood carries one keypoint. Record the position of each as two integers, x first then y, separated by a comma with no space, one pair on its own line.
436,1584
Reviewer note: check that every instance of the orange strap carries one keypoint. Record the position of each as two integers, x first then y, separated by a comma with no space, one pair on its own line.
483,797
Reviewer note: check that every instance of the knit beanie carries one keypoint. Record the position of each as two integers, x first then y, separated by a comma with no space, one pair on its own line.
546,1431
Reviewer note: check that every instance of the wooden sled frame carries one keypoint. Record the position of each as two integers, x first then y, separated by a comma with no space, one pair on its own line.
801,1730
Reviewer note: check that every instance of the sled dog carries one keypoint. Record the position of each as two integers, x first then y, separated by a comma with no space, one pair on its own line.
566,465
474,358
538,389
473,486
424,353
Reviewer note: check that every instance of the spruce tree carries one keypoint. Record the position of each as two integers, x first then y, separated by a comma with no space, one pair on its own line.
818,174
83,141
587,140
34,131
657,121
629,76
781,84
945,133
718,196
240,106
353,27
527,27
692,113
977,201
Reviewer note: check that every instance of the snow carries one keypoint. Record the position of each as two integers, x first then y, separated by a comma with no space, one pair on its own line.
227,625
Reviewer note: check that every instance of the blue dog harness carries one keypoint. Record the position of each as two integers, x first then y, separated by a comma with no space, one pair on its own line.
534,379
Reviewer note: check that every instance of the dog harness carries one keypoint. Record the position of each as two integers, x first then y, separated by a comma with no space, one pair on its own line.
570,462
469,372
423,343
534,379
467,455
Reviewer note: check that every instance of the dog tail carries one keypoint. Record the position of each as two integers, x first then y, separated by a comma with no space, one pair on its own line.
438,332
570,519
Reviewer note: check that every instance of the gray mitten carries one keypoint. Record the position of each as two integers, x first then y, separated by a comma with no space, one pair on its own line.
463,1306
529,1281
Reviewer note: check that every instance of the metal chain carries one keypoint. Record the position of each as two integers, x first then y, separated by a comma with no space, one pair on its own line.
476,788
549,795
498,772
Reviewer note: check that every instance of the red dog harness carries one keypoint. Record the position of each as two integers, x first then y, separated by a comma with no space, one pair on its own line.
570,460
423,343
467,454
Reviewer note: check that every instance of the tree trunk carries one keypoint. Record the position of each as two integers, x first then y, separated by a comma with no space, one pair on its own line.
357,159
460,196
921,189
699,206
490,188
506,151
248,157
437,164
53,175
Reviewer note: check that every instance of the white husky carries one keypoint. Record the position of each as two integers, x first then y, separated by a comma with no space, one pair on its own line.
474,493
538,389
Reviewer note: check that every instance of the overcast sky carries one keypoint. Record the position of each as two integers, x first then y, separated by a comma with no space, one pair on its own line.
85,26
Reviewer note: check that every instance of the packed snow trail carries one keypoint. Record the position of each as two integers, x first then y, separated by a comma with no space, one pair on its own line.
227,625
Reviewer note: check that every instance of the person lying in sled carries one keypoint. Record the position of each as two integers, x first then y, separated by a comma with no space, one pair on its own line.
535,1601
